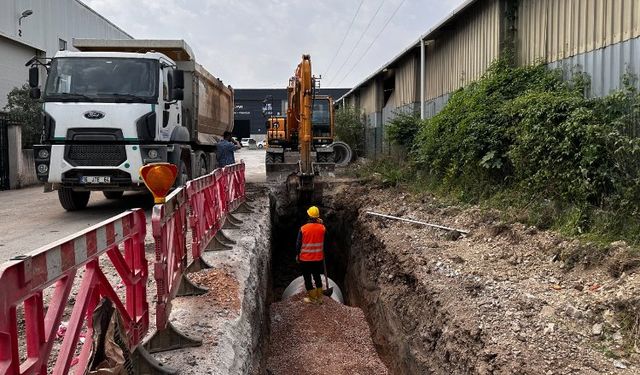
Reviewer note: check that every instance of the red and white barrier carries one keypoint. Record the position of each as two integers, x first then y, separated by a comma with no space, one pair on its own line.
207,202
121,241
235,185
169,225
58,264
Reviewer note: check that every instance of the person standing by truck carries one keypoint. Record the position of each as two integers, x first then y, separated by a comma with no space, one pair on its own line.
310,250
225,149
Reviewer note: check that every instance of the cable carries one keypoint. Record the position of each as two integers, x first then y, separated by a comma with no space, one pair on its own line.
373,41
358,42
345,37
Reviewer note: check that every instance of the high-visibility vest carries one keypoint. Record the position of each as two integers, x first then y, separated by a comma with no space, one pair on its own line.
312,242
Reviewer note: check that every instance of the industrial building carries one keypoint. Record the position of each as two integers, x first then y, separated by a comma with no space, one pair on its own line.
40,28
249,120
597,37
43,27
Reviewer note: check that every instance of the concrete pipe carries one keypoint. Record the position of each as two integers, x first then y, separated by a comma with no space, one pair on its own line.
297,286
343,153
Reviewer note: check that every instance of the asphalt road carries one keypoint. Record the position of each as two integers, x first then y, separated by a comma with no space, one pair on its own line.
30,218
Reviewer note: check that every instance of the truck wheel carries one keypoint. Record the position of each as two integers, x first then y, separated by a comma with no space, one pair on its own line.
73,200
268,158
113,194
202,165
183,174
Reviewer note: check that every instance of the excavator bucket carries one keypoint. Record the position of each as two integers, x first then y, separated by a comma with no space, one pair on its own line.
279,172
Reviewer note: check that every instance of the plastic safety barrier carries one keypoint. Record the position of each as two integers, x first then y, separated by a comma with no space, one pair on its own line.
169,226
207,199
235,185
25,278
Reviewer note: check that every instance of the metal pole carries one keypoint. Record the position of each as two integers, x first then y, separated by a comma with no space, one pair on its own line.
422,83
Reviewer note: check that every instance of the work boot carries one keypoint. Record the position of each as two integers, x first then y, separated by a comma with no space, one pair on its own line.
311,296
319,296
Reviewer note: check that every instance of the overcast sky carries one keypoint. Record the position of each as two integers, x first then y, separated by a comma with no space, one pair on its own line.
258,43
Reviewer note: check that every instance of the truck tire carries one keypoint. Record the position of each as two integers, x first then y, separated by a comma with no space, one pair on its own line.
268,158
183,174
73,200
113,194
202,165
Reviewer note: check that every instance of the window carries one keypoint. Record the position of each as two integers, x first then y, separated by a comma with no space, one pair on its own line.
62,45
102,79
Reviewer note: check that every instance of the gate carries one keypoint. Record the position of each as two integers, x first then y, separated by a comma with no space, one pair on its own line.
4,151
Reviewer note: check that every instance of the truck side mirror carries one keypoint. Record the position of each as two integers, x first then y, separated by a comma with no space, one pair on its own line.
177,94
178,79
34,76
34,93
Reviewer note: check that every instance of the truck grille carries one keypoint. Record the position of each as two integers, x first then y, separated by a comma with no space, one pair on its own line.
99,155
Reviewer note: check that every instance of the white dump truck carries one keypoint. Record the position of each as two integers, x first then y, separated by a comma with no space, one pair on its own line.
116,105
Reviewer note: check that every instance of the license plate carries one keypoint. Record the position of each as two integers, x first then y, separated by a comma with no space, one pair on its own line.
95,179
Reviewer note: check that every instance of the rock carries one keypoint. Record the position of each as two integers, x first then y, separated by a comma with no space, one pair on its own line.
618,244
619,364
515,326
617,337
596,330
550,328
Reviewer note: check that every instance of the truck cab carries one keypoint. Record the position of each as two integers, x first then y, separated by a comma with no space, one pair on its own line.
106,113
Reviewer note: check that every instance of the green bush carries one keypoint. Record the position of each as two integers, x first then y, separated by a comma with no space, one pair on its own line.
27,112
526,132
402,129
350,128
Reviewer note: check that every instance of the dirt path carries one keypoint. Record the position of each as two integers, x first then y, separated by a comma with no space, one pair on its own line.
328,339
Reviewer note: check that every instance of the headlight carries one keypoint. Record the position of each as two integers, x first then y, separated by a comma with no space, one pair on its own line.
153,154
43,168
43,154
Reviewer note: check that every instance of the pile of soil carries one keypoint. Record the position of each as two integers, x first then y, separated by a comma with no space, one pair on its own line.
506,299
223,293
327,339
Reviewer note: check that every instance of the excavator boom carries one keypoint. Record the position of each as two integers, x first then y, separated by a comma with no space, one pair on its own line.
292,141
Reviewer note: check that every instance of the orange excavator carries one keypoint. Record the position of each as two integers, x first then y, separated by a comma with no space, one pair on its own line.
307,128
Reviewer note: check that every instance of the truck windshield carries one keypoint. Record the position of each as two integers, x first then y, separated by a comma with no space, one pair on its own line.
101,79
320,112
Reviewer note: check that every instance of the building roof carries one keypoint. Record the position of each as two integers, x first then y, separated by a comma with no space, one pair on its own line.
431,33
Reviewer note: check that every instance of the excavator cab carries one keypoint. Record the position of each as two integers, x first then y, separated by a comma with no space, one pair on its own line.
300,150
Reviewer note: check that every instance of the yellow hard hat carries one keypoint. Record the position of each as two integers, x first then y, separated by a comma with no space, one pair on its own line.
313,212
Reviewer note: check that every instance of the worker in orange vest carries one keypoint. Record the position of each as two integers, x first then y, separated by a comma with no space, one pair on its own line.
310,248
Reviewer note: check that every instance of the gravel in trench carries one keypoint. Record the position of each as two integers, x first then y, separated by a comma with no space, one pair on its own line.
328,339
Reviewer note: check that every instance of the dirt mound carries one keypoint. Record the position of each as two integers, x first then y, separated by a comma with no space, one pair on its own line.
327,339
507,299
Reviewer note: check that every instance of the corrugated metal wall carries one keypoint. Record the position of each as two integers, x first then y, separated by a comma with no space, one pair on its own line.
407,82
551,30
464,54
606,67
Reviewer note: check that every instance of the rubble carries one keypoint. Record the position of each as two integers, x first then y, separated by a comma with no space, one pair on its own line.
328,339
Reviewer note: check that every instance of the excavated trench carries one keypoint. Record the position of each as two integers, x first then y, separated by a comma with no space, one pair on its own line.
286,220
411,330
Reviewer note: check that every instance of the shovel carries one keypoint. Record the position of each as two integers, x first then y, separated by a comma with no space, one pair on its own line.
329,291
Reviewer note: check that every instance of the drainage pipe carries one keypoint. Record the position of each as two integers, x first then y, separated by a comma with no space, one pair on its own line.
297,286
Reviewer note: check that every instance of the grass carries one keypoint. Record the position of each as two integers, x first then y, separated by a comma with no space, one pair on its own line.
590,225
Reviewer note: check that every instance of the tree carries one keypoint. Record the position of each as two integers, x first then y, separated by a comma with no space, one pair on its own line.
350,128
26,112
